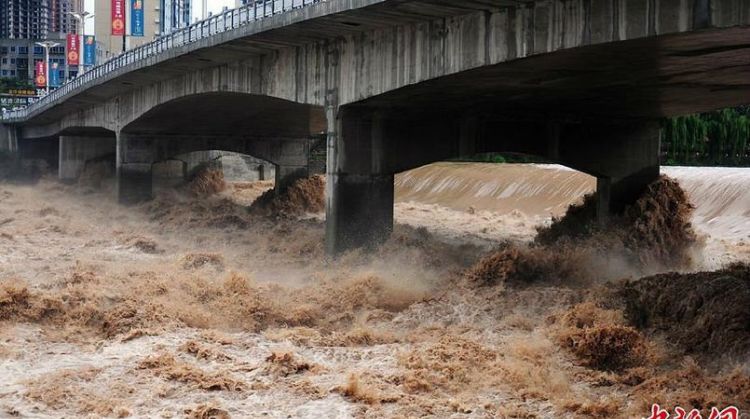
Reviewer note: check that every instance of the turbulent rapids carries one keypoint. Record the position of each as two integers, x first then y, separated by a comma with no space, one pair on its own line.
216,300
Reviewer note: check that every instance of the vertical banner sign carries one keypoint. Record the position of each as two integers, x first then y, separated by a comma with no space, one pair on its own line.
73,53
136,17
89,50
54,73
118,17
41,75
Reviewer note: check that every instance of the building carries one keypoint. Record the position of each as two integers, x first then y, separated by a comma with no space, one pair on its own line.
17,57
24,19
109,46
175,14
22,24
60,21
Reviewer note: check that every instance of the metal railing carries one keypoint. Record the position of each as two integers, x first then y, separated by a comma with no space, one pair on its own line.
223,22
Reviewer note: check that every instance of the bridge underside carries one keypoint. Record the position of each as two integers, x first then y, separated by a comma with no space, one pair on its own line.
643,78
593,108
407,82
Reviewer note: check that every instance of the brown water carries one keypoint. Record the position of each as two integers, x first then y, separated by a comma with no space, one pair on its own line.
193,307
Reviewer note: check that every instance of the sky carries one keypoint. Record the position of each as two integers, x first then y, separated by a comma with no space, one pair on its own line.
214,6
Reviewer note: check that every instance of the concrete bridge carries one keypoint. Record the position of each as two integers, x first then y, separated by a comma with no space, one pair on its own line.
396,84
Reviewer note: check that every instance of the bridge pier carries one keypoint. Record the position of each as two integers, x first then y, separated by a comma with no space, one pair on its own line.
623,156
75,151
135,156
360,190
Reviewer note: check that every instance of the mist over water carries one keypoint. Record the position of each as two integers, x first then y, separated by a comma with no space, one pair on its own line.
194,306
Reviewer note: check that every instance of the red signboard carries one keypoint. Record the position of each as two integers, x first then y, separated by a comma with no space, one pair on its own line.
41,74
118,17
73,49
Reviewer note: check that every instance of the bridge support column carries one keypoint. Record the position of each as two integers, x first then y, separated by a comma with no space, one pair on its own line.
360,190
624,157
76,151
135,156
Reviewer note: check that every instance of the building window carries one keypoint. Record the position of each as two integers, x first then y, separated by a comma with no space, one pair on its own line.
12,72
5,72
24,50
5,61
12,60
12,49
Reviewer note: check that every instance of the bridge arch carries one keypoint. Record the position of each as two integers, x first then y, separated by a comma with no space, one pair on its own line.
227,114
275,130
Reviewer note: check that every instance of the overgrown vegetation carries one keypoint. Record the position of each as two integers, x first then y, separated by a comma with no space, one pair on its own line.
502,158
715,138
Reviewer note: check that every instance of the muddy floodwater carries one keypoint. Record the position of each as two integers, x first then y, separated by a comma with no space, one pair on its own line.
194,306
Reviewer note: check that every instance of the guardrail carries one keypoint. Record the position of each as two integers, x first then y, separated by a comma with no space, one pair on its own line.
223,22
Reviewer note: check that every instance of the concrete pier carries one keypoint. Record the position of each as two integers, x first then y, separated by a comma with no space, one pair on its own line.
623,155
359,211
75,151
135,156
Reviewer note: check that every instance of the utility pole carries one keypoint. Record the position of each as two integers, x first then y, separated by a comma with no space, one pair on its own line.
47,45
81,18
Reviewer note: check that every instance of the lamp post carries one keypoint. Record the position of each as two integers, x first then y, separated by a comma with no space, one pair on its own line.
47,45
81,18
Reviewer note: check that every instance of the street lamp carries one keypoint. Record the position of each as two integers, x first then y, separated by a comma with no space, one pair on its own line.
47,45
81,18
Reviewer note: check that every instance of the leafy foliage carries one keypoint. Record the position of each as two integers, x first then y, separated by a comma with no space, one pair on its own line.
714,138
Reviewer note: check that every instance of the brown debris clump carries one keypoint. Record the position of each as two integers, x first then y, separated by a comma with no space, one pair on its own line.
207,411
168,367
199,260
285,364
655,230
143,244
704,313
302,197
529,265
207,182
201,351
364,389
600,340
452,362
17,302
77,389
133,319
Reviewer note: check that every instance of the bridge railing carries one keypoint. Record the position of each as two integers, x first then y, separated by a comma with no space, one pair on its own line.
222,22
